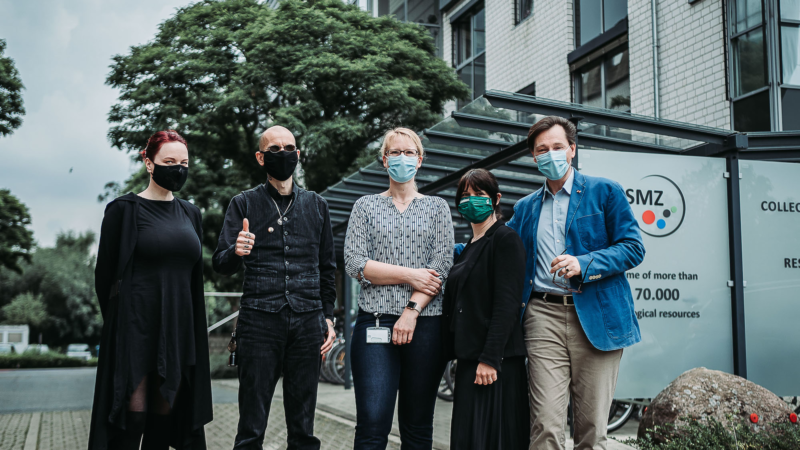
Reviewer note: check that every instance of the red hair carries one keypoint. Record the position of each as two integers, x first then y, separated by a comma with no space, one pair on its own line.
157,140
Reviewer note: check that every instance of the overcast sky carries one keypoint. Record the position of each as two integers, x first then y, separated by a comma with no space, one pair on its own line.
63,49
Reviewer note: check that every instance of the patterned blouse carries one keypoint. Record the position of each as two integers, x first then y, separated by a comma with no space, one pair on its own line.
420,237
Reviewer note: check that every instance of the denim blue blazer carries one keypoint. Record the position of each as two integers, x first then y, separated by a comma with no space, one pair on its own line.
604,235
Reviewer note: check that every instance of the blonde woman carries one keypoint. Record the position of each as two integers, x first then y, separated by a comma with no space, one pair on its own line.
399,246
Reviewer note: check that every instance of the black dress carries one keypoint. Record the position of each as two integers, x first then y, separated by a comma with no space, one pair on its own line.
149,284
493,417
161,322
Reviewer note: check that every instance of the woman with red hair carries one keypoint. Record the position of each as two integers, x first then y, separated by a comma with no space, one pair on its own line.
153,382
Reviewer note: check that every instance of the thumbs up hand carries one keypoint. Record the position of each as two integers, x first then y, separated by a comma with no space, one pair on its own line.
246,240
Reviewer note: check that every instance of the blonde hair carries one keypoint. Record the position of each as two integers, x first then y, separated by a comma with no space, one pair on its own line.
391,134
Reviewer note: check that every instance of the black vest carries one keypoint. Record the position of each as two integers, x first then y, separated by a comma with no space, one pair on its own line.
284,264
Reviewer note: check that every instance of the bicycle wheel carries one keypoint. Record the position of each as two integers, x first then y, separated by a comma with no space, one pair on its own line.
450,374
322,368
327,365
619,413
337,363
446,385
794,403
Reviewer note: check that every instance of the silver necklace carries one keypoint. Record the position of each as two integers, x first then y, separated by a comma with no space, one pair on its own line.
403,203
281,217
475,238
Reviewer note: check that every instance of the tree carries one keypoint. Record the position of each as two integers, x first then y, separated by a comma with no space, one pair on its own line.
220,72
63,278
11,106
26,309
16,240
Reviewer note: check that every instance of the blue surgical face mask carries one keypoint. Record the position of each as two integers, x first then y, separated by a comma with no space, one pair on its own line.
553,164
402,168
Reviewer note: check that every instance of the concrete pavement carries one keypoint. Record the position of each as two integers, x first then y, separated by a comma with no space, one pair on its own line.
50,409
28,390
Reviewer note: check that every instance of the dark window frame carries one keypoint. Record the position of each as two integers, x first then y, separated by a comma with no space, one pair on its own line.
783,86
603,31
467,14
599,58
517,19
434,28
771,84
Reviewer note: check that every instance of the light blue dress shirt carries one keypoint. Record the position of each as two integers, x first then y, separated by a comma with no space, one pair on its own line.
550,236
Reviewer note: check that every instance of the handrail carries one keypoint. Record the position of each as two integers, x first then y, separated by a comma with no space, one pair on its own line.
223,321
231,316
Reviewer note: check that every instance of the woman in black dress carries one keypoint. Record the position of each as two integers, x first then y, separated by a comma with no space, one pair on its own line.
153,381
482,323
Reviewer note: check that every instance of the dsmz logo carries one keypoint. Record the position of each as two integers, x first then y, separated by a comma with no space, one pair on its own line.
658,204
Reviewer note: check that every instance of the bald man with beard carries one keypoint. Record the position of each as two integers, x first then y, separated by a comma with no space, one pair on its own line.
281,234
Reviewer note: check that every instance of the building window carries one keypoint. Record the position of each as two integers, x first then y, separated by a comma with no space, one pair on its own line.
764,64
522,10
749,88
469,51
605,83
422,12
790,64
595,17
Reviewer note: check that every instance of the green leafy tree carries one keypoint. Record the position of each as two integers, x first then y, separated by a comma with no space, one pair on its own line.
26,309
11,106
63,278
16,240
221,72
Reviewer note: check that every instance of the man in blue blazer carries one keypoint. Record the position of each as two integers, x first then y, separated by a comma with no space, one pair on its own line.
580,237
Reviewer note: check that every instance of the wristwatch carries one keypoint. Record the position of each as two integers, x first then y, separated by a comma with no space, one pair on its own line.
414,306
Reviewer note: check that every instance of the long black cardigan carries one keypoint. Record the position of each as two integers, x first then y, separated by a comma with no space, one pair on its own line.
193,407
483,303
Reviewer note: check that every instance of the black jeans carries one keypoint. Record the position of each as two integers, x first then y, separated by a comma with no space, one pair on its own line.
271,344
381,370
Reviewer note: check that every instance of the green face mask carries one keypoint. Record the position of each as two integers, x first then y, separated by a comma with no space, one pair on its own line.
475,209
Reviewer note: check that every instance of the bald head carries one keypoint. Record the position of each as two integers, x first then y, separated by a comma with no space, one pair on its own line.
276,135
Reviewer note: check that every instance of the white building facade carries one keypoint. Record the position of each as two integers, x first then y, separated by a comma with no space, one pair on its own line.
732,64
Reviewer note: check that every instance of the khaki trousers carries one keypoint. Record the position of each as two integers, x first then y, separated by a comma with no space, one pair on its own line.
562,361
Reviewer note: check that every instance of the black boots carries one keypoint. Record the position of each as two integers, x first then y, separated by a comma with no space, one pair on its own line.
156,433
132,434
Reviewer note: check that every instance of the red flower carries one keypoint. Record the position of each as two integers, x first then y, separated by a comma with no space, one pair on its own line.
793,418
754,418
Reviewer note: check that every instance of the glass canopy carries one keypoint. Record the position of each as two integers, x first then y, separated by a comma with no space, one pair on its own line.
491,133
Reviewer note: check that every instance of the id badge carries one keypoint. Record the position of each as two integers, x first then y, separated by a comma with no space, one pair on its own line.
379,335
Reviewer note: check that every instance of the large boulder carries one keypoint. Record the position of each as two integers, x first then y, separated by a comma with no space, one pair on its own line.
701,394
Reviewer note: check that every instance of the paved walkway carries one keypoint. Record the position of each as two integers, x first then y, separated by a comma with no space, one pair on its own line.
335,422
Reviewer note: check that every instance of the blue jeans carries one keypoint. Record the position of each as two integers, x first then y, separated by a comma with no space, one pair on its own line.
271,344
381,370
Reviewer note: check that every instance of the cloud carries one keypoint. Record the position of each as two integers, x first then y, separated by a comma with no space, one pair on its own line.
63,50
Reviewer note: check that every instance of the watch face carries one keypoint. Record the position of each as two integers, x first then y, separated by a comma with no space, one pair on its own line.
411,305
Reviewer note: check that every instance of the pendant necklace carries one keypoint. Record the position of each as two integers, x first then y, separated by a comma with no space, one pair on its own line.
281,217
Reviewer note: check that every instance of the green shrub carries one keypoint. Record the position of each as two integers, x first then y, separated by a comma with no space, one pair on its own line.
219,366
713,436
30,360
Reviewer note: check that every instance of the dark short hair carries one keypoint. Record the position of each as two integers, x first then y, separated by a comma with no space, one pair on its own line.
480,180
549,122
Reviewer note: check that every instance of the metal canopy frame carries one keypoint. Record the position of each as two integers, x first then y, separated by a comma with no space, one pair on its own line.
491,133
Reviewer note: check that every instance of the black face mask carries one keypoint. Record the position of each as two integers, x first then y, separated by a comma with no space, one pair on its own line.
171,178
280,165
